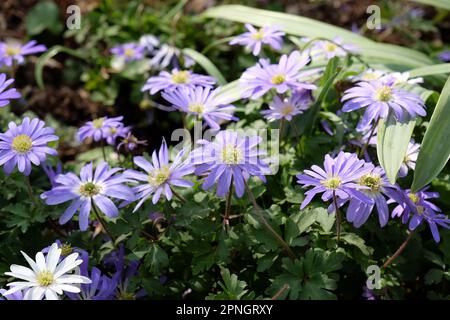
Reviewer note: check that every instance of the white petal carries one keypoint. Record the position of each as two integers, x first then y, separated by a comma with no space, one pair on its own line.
40,261
53,257
31,262
51,295
67,264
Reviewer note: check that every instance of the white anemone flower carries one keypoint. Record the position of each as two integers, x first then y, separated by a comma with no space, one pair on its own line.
47,278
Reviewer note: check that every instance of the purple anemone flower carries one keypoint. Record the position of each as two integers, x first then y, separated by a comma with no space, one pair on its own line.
375,187
283,76
230,157
160,175
177,79
9,94
93,189
113,133
25,144
337,178
410,159
128,51
167,55
10,52
203,103
329,49
100,128
130,142
444,56
52,172
416,208
287,108
18,295
379,98
102,287
254,39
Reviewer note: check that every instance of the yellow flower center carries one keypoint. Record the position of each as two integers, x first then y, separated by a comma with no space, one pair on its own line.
258,35
89,189
113,130
66,249
373,181
45,278
414,197
196,107
384,94
278,79
158,176
12,51
129,53
22,143
332,183
98,123
330,47
287,109
231,155
180,77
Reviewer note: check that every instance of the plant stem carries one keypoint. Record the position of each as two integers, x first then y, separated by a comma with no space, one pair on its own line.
30,191
399,250
268,226
338,218
281,128
179,196
280,292
228,202
103,223
364,148
103,150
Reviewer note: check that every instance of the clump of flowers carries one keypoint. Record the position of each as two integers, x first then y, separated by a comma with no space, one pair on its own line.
287,108
101,128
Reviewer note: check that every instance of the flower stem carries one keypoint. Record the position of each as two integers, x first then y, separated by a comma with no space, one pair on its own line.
280,292
268,226
179,196
366,145
281,127
30,191
228,202
399,250
103,223
103,150
338,218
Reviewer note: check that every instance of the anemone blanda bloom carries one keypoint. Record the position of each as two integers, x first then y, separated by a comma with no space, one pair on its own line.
230,157
113,133
254,39
160,175
375,186
100,128
47,277
167,55
417,208
177,79
9,94
329,49
128,51
409,162
95,188
201,102
289,107
337,178
368,75
284,76
149,42
18,295
14,51
379,97
25,144
130,142
101,287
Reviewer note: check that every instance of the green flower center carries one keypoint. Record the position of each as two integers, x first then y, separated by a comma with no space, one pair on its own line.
158,176
278,79
196,108
330,47
384,94
45,278
22,143
373,181
66,249
89,189
180,77
12,51
332,183
98,123
258,35
129,53
231,155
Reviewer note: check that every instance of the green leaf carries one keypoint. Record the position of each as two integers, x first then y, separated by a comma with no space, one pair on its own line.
441,68
156,259
43,16
301,26
443,4
435,149
231,91
206,64
392,144
434,276
43,59
233,288
358,242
